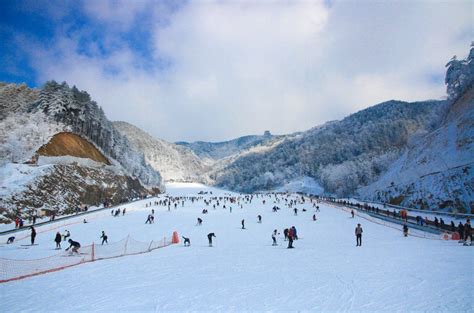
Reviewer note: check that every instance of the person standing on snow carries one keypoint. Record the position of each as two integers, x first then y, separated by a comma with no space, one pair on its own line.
352,213
57,239
405,230
259,218
358,233
243,224
274,234
285,233
104,238
290,238
295,234
209,237
33,235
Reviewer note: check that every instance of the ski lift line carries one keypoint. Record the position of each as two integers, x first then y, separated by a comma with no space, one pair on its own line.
383,224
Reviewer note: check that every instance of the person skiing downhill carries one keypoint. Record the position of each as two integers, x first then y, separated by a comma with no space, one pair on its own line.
57,239
285,233
209,237
405,230
352,213
104,238
290,238
243,224
358,233
259,218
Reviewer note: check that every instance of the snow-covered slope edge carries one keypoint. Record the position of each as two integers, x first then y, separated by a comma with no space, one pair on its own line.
174,162
436,170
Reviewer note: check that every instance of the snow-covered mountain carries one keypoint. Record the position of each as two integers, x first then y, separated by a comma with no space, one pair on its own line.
224,149
174,162
340,155
436,170
58,151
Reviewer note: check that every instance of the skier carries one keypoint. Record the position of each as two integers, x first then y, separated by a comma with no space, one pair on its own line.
123,211
187,242
209,237
468,231
274,234
104,238
358,233
74,245
290,238
33,235
405,230
259,218
352,213
295,234
461,230
199,221
296,211
285,232
243,224
66,235
148,220
314,217
57,239
10,240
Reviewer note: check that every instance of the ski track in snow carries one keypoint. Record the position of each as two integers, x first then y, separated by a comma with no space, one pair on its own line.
243,271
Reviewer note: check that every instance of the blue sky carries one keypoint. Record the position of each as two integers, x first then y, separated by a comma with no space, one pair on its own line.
214,70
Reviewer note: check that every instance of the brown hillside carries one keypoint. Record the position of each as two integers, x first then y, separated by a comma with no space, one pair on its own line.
73,145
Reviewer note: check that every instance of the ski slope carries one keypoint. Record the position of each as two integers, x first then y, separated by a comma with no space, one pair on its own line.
243,271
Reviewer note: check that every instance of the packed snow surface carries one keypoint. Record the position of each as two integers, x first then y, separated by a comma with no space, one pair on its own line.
243,271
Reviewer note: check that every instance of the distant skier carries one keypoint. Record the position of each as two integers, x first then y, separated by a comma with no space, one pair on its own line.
57,239
243,224
187,241
104,238
74,245
461,231
199,221
149,219
274,238
259,219
294,232
33,235
352,213
468,231
209,237
296,211
358,233
405,230
285,233
123,211
314,217
290,238
66,235
10,240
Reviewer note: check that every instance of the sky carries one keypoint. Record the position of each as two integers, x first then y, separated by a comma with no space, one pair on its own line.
216,70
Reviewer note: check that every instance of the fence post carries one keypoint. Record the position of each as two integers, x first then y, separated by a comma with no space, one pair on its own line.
93,252
126,243
149,248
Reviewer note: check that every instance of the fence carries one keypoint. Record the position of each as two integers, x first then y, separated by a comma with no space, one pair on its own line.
396,224
18,269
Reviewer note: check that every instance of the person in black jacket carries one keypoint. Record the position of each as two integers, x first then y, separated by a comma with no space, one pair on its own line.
243,224
104,238
461,230
57,239
285,233
33,235
74,245
468,231
405,230
209,237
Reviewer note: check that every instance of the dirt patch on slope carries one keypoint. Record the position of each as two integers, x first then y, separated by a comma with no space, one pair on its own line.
74,145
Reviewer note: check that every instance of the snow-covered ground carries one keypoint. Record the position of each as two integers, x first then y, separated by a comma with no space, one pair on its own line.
243,271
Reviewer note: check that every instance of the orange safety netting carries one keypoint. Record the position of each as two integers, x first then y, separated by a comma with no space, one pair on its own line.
18,269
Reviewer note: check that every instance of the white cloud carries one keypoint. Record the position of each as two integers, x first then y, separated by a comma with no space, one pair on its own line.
239,68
